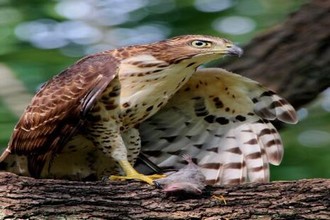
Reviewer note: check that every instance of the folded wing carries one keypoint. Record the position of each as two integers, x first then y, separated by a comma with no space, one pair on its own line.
58,110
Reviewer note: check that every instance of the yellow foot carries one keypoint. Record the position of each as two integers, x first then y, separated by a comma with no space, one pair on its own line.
138,176
131,173
219,197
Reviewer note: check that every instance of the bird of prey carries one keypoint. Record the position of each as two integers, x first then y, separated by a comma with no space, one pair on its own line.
85,123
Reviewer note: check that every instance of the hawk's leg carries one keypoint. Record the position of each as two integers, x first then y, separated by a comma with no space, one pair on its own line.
131,173
132,142
105,132
132,146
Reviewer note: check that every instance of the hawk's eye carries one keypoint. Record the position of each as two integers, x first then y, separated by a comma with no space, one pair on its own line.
201,44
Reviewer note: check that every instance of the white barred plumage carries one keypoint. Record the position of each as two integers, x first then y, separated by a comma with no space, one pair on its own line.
221,120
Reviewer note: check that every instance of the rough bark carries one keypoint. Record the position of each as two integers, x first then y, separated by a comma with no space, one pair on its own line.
292,58
24,197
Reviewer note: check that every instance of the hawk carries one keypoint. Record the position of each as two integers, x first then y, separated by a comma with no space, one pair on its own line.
92,119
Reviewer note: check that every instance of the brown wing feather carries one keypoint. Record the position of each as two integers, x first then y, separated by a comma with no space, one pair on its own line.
58,109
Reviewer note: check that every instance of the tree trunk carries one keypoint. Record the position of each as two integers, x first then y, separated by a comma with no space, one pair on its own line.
294,57
25,197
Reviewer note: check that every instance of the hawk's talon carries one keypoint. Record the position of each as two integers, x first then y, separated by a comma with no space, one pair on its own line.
138,176
131,173
220,198
157,185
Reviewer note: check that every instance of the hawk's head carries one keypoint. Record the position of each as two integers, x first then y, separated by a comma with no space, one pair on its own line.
192,48
199,48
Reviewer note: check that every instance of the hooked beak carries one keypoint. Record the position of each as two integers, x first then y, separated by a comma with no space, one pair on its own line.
235,51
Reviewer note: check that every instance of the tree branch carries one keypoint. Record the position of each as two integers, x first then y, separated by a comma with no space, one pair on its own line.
25,197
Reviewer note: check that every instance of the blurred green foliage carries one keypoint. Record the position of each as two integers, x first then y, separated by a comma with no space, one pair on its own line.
307,150
40,38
